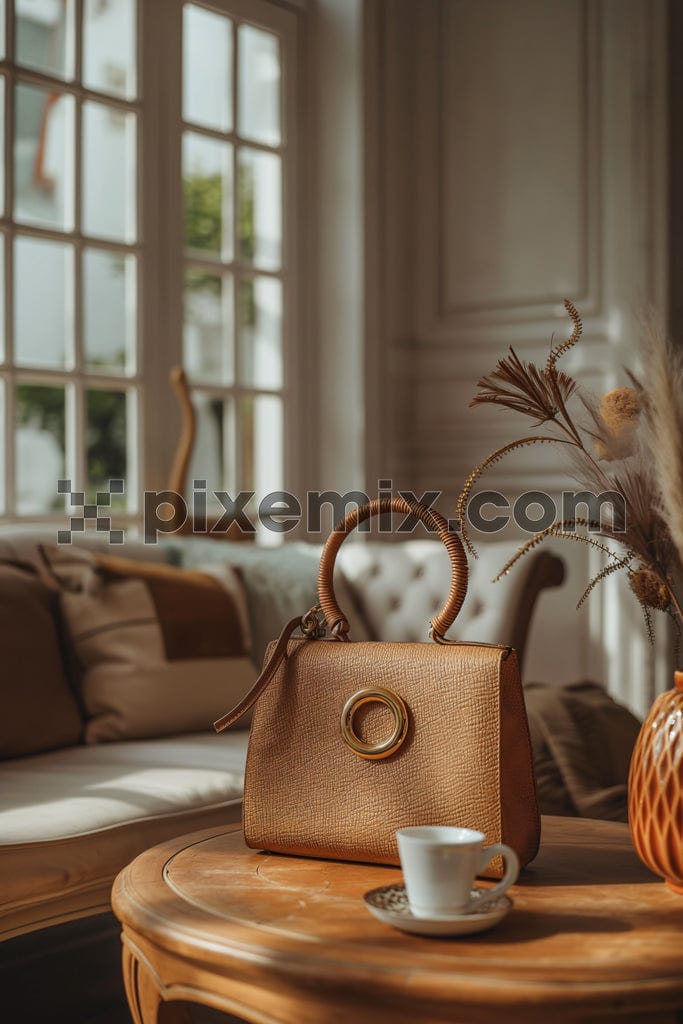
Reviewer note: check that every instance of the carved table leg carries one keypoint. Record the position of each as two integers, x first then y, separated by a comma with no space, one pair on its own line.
144,999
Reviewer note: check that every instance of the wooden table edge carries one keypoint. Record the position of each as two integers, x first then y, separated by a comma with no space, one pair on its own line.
147,932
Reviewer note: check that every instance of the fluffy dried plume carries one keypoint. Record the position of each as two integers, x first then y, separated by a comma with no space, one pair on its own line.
649,589
619,414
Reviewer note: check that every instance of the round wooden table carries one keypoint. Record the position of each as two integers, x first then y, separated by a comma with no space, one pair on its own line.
592,936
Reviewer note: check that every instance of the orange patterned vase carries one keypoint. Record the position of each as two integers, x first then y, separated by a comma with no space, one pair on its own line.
655,788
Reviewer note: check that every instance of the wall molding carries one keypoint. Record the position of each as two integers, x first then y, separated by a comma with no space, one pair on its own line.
428,351
435,317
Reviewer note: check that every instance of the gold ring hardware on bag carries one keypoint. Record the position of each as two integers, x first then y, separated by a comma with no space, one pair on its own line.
374,751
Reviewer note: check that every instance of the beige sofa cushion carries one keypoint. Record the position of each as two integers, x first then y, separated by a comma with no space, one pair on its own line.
87,789
70,820
163,650
39,711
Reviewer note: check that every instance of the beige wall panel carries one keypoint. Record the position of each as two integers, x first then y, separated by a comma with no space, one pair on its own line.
513,127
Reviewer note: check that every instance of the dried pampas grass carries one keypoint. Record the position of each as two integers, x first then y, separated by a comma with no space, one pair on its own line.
631,447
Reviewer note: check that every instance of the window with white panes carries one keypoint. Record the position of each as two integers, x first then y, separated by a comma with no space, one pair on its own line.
234,146
70,246
119,195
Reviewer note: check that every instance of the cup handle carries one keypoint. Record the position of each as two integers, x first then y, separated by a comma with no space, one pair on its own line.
508,879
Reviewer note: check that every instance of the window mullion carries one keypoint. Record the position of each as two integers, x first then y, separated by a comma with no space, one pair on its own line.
76,425
78,140
78,361
296,362
235,137
171,237
7,141
9,439
29,76
160,214
75,433
78,42
234,399
9,192
9,29
9,377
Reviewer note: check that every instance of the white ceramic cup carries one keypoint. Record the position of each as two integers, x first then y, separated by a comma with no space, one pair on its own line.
440,863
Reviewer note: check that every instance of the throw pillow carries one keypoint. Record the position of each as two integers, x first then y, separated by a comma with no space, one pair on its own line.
279,583
39,711
162,650
582,742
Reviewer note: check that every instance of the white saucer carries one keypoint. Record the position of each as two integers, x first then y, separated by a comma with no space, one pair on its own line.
389,904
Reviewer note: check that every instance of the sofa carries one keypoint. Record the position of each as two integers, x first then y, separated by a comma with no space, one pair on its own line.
73,816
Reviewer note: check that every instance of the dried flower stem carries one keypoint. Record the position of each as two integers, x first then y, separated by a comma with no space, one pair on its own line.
577,331
483,466
649,475
608,570
562,528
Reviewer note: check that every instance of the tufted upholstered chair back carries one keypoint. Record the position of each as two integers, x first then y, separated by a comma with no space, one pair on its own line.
397,588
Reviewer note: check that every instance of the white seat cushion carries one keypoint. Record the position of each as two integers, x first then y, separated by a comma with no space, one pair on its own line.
71,819
85,789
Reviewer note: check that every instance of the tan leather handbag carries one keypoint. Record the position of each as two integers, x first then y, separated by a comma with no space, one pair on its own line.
352,741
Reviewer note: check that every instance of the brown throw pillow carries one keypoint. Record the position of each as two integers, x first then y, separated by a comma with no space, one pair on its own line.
39,711
163,650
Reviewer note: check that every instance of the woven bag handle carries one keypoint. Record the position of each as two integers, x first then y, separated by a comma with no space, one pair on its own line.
336,620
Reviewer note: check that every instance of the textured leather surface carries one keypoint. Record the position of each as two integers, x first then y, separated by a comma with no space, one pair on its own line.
517,781
306,793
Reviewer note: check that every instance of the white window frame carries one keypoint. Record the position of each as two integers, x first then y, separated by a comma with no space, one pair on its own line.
159,249
166,347
76,380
